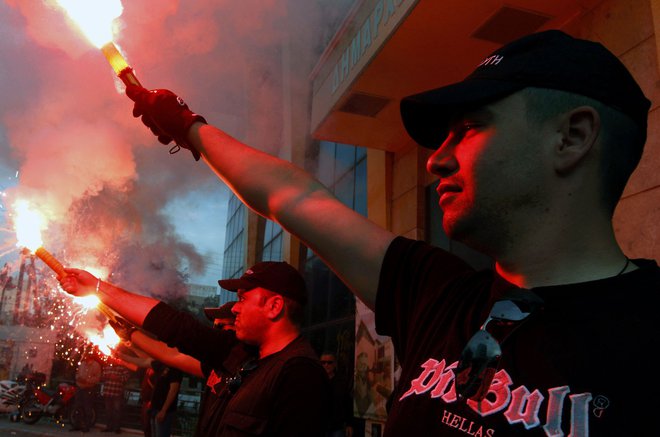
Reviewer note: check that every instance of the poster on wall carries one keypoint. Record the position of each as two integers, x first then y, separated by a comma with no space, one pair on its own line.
375,367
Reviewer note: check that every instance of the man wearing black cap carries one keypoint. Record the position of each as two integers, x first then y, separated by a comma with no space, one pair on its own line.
533,150
213,397
275,386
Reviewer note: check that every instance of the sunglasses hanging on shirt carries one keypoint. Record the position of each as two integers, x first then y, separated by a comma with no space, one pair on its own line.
235,382
481,356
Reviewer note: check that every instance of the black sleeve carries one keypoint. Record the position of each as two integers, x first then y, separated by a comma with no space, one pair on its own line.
302,400
181,330
206,369
174,375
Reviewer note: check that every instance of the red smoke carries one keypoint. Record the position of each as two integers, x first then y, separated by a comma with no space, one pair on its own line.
97,173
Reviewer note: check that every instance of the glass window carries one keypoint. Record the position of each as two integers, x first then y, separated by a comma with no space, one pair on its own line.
360,153
344,189
330,314
234,240
272,245
360,201
268,232
345,159
277,247
326,160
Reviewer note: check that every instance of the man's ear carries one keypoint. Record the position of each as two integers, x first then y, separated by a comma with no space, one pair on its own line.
579,131
275,306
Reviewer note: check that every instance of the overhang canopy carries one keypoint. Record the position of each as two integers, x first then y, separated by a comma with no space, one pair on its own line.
389,49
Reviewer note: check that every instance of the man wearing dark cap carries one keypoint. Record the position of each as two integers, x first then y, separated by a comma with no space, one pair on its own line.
532,151
214,373
270,381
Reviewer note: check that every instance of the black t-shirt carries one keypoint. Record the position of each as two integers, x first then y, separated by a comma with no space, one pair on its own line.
286,395
579,366
164,379
215,395
341,412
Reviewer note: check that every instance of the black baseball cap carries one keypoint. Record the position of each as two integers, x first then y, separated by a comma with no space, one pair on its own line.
276,276
221,312
550,59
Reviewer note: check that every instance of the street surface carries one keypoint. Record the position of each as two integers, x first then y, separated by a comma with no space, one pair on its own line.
47,427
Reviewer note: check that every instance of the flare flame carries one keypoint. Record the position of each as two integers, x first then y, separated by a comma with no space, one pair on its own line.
95,20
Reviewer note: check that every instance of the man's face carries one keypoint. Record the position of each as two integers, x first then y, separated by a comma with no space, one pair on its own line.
251,320
491,169
329,364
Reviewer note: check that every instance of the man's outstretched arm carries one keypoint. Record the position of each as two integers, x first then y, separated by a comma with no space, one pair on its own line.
349,243
143,362
170,356
148,349
133,307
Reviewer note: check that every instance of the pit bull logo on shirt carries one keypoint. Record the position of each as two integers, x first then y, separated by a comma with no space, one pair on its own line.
213,381
519,405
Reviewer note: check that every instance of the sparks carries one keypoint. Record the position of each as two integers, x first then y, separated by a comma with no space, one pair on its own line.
87,302
106,341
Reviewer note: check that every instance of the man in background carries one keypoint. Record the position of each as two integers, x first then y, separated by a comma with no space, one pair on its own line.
340,423
212,398
282,388
88,377
114,378
164,399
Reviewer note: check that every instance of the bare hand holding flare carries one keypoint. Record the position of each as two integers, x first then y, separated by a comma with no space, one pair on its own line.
78,282
166,115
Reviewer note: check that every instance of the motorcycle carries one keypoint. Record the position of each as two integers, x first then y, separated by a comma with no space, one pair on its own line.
38,401
11,393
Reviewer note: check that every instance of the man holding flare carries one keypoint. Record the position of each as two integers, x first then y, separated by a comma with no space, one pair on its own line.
533,150
215,374
279,390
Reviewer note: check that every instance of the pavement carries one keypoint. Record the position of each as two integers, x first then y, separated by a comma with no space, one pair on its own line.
47,427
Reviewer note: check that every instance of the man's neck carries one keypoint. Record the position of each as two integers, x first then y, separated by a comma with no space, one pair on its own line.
278,340
539,270
565,256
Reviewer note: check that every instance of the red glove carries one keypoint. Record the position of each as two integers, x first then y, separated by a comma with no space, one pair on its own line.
166,115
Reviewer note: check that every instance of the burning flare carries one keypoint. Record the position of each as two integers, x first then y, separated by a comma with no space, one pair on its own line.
93,302
105,341
94,19
87,302
28,224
